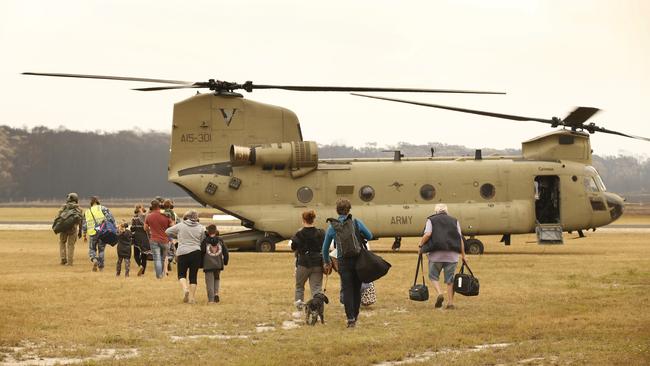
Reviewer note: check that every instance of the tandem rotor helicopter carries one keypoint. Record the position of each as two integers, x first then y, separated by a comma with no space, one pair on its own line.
249,160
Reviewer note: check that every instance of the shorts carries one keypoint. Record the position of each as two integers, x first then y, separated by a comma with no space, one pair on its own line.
436,267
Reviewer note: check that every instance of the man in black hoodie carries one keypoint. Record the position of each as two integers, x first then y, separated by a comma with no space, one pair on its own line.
308,243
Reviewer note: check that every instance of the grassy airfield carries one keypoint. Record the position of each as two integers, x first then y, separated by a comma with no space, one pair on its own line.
585,302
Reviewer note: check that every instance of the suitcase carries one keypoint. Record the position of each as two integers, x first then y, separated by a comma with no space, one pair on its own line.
419,292
466,284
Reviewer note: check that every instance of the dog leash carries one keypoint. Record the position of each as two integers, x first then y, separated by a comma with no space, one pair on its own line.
325,286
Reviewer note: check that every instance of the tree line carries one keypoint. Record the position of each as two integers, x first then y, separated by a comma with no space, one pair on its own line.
43,163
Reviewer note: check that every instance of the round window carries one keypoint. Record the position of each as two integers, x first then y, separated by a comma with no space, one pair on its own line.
367,193
305,194
427,192
487,191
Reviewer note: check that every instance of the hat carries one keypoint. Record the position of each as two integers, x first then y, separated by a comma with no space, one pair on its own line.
73,197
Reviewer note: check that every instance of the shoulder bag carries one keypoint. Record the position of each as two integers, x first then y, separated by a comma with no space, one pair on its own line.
419,292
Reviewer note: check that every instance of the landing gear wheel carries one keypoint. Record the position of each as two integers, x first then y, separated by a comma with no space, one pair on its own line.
265,245
473,246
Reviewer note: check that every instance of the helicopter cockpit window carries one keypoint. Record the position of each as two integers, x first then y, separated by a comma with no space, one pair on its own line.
367,193
427,192
487,191
592,172
590,184
305,194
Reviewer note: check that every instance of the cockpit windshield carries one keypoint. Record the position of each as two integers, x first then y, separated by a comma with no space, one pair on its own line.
593,178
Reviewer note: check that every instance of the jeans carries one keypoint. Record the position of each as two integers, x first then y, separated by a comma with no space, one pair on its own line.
96,250
157,250
315,276
351,286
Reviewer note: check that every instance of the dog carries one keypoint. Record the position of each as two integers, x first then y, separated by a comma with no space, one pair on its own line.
315,308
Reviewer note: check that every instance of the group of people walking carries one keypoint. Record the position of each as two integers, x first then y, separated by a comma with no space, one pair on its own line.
160,232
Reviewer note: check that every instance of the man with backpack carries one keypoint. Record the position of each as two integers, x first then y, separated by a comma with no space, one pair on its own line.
346,233
93,218
67,225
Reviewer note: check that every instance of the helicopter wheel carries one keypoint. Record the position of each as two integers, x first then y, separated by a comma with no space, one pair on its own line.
265,246
473,246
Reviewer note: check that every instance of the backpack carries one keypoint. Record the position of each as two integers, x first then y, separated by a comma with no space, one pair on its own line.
346,236
66,220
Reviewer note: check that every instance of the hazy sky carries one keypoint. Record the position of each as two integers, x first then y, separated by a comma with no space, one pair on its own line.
549,56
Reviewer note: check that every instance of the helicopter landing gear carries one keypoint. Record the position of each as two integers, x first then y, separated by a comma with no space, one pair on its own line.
397,243
265,245
473,246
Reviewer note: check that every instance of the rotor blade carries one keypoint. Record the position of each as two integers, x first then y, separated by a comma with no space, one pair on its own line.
472,111
604,130
368,89
579,116
156,88
123,78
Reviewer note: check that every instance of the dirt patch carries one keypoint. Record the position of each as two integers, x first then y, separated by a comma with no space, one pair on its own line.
428,355
28,354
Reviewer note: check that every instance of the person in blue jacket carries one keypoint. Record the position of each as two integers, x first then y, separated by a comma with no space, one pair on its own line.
350,282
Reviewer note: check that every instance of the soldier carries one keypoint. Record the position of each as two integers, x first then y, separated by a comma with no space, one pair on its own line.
68,238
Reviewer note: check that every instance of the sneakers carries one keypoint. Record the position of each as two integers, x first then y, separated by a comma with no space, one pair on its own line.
186,297
299,305
216,298
95,266
439,301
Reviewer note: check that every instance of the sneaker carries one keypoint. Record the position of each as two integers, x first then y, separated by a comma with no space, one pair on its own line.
64,262
126,274
439,301
352,323
299,305
141,271
95,266
450,307
216,298
186,297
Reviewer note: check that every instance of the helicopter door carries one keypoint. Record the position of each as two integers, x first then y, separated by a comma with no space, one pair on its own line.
547,199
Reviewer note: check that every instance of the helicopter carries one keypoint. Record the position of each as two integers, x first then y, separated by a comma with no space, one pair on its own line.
249,160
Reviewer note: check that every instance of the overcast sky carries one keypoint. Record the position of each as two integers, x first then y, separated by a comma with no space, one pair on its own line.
549,56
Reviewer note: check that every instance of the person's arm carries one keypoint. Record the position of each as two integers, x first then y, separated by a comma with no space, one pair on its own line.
462,242
295,243
172,231
364,230
147,229
224,250
107,213
329,236
428,229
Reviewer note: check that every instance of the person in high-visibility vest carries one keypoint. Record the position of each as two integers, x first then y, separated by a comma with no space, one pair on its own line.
93,217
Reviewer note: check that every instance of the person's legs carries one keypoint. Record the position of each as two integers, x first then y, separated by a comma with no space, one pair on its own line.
127,266
63,238
165,253
209,285
315,280
217,284
434,276
450,269
136,255
118,266
351,289
194,263
156,251
302,274
182,274
101,247
72,239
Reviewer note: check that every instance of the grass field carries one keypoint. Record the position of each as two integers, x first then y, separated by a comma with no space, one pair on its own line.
585,302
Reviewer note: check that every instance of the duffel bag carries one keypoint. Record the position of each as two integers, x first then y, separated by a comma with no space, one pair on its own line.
371,267
419,292
465,283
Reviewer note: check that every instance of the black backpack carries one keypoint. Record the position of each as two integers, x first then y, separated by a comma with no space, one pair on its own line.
68,217
347,239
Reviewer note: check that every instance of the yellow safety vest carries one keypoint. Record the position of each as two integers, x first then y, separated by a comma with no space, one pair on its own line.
94,216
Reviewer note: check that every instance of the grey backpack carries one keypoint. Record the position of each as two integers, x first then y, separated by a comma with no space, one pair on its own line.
347,240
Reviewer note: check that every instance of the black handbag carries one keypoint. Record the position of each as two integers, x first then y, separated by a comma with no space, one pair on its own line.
370,267
419,292
466,284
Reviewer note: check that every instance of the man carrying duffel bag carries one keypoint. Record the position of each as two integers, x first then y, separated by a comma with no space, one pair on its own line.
443,241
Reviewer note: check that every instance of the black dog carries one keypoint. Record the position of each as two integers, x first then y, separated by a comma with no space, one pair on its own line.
315,308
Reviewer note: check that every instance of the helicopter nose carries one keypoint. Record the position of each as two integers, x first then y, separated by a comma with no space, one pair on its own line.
615,204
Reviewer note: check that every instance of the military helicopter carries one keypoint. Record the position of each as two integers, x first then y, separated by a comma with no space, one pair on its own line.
249,160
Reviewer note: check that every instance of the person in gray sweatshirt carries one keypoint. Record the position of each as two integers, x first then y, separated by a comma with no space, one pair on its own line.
190,234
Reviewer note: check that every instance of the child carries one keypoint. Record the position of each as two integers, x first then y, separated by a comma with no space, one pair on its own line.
124,242
215,257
